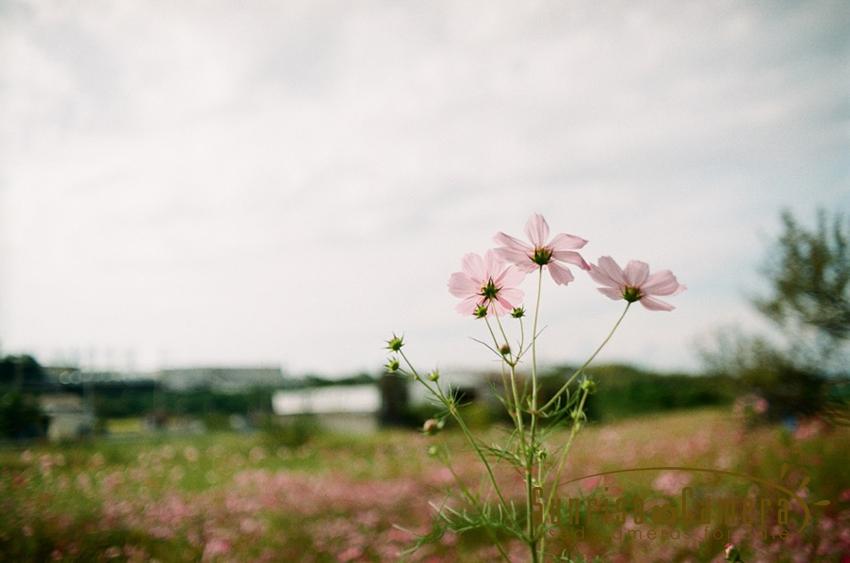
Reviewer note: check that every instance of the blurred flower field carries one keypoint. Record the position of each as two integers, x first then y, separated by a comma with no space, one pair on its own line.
233,497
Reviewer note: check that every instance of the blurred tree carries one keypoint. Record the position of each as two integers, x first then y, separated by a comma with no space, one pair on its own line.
395,402
20,371
20,416
809,275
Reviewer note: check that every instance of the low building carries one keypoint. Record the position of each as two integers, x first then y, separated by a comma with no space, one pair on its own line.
69,417
473,386
224,379
344,408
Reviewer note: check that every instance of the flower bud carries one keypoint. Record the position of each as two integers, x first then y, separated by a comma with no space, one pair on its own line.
434,375
432,426
395,343
433,451
588,385
392,365
518,312
505,350
732,554
480,311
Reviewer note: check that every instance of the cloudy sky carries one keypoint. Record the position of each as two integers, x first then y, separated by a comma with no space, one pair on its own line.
289,182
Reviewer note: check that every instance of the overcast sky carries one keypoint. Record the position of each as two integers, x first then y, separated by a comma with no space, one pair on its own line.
289,182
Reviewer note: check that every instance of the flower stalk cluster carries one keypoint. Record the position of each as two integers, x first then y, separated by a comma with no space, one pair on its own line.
488,287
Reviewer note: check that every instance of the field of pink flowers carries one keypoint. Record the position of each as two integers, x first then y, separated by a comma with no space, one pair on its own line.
229,497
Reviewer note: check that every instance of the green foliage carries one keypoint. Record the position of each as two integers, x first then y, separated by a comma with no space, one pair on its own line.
808,300
20,416
129,401
291,432
791,388
318,381
20,371
624,391
809,274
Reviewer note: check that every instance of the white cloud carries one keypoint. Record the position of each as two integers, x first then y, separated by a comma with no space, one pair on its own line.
292,181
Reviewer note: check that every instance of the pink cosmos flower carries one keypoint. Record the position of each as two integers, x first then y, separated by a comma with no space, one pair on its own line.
529,257
635,283
486,285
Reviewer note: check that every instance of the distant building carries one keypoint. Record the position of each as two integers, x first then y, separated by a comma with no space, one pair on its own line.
68,416
225,379
346,408
472,385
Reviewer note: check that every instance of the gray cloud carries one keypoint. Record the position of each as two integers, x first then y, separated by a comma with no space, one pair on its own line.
290,181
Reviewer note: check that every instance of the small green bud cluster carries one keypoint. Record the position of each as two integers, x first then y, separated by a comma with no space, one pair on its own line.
518,312
589,385
392,365
480,311
395,343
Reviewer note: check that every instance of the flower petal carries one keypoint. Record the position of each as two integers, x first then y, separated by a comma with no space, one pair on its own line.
564,241
600,276
473,265
510,277
512,243
612,270
610,292
468,305
517,257
461,285
662,282
571,258
636,273
493,264
655,304
512,296
537,230
560,274
501,305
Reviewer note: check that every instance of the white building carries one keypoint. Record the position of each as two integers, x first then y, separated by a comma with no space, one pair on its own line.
475,384
68,416
345,408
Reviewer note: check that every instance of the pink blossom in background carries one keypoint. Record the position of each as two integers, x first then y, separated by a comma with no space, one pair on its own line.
486,282
540,253
635,283
215,547
671,482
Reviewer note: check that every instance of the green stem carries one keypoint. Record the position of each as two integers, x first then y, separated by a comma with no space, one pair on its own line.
474,502
517,415
531,451
579,413
580,370
511,359
452,408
